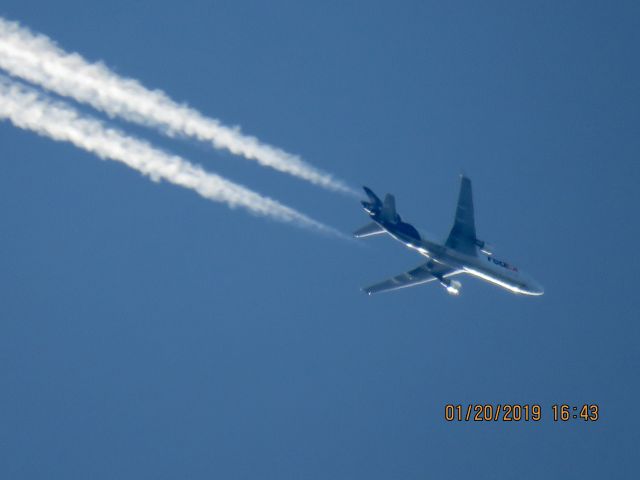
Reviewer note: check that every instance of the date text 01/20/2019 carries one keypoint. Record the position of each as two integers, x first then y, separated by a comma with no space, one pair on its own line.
515,412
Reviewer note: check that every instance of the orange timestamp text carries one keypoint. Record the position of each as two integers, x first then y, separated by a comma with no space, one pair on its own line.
517,412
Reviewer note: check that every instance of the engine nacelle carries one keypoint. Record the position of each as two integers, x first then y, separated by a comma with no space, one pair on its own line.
484,247
453,287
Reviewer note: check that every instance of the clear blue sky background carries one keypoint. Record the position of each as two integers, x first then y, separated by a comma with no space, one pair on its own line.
148,333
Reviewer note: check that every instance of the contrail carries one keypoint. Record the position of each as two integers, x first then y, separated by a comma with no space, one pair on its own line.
37,59
28,109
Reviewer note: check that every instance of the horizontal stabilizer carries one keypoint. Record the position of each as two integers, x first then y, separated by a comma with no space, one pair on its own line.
373,198
369,230
373,205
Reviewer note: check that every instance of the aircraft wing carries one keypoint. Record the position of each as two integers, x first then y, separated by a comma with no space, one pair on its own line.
417,276
463,232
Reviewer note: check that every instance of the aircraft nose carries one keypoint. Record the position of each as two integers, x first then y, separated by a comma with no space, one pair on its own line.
535,288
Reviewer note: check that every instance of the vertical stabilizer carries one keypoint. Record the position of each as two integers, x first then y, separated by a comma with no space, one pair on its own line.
389,209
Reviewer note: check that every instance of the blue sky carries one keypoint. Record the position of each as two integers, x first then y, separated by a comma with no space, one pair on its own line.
148,333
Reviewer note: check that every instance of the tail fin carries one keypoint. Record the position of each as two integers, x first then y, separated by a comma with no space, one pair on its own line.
389,209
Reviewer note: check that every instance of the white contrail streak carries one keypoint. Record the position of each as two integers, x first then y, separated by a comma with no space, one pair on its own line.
28,109
37,59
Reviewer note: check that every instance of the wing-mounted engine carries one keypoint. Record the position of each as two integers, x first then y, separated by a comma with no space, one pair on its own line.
485,247
453,287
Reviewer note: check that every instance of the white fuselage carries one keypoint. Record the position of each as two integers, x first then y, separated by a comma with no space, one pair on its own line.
485,267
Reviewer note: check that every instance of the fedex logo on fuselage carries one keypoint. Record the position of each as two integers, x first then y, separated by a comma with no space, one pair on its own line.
502,264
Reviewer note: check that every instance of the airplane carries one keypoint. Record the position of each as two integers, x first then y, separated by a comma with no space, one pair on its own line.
461,253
